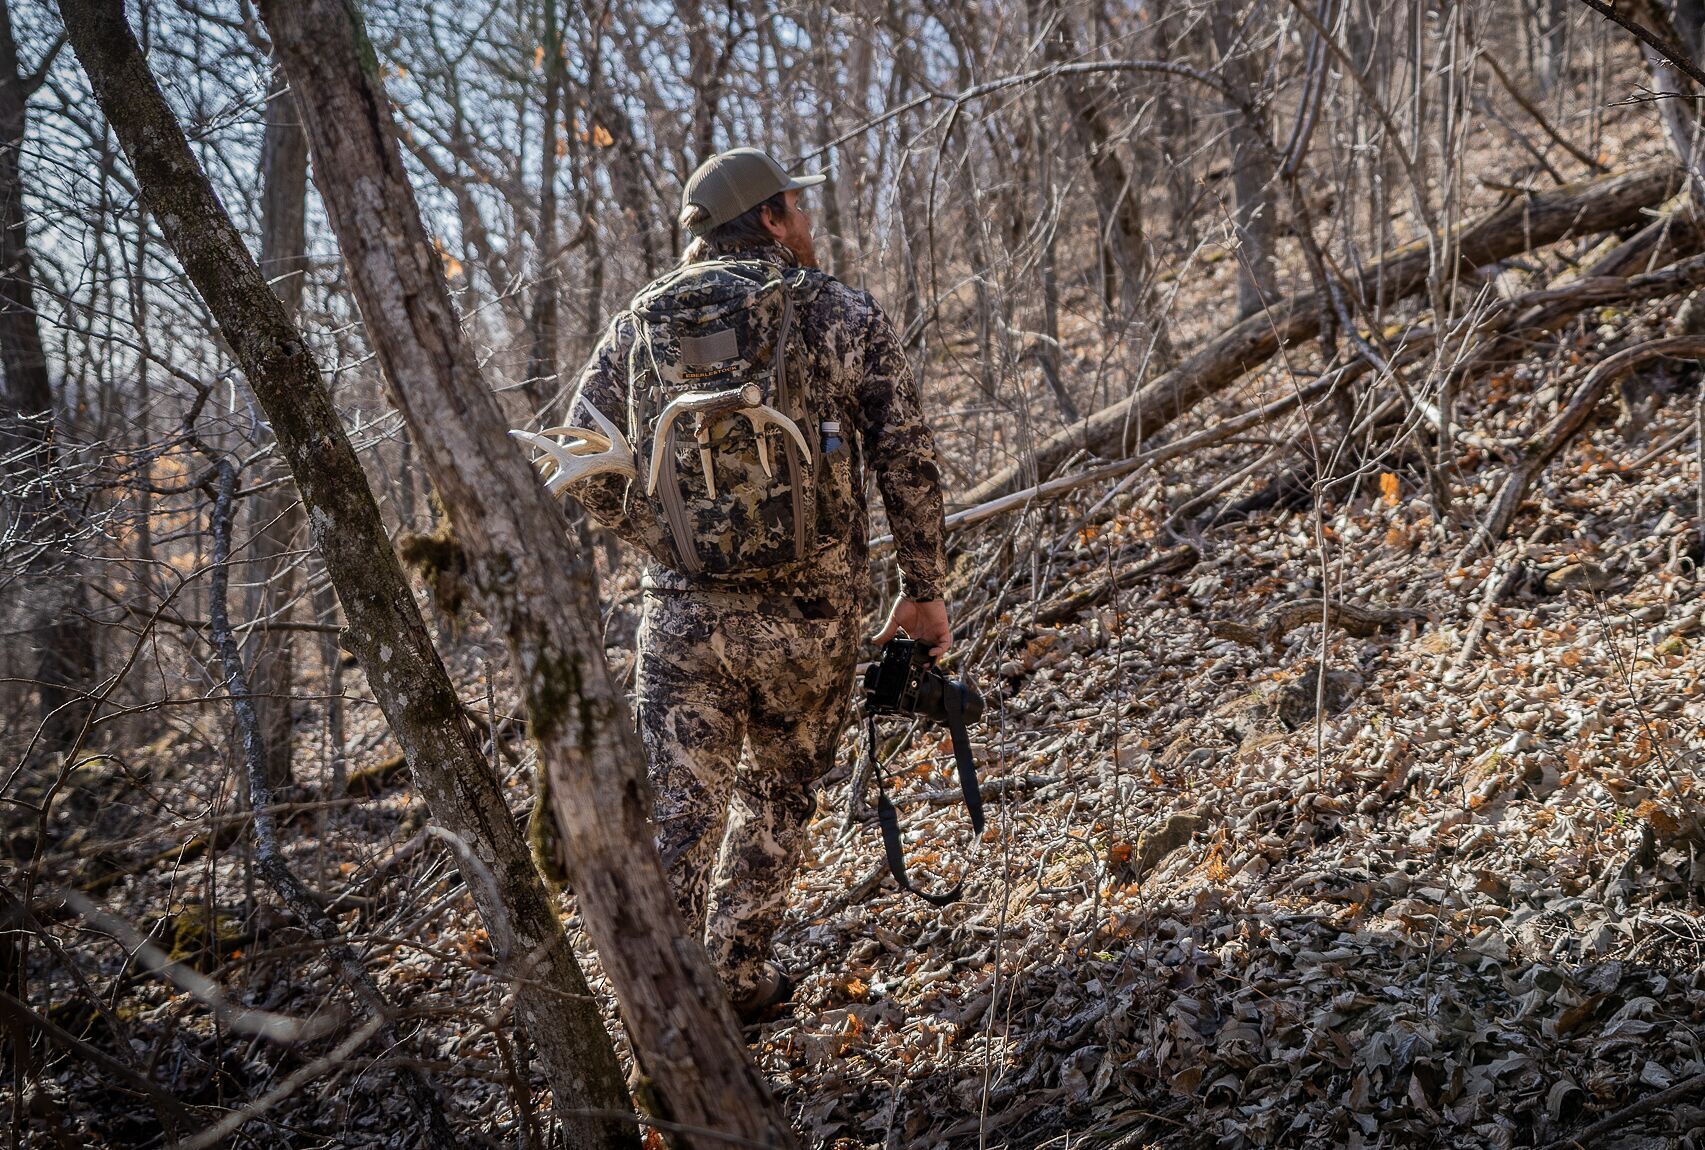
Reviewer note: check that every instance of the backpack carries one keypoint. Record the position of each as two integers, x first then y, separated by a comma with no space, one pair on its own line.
713,363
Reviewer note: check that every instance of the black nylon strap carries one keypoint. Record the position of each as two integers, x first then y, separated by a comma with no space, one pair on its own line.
953,702
889,819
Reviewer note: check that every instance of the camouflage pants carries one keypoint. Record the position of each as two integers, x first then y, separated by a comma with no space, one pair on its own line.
719,673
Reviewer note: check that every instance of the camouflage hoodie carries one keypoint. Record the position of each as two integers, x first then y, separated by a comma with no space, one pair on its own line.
862,378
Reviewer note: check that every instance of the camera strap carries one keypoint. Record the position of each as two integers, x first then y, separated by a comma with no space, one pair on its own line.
953,702
889,818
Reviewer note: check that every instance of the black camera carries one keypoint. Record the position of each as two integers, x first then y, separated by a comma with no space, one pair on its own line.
906,682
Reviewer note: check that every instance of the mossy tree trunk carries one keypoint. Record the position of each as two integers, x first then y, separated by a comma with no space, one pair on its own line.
386,631
531,582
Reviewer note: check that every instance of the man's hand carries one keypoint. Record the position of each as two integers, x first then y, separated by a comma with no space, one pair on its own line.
925,620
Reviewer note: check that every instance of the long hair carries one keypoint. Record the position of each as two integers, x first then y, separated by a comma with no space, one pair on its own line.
745,230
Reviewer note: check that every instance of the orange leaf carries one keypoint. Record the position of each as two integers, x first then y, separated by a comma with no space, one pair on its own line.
1389,486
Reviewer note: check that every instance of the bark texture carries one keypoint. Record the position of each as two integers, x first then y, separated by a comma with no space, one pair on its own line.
1522,224
386,631
536,588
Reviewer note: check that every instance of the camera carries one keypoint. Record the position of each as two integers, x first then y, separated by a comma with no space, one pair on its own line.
905,682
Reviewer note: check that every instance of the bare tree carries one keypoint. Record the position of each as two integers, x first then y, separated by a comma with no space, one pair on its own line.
273,571
385,628
64,664
537,589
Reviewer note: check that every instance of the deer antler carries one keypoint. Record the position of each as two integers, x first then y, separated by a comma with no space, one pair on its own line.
763,414
746,401
588,452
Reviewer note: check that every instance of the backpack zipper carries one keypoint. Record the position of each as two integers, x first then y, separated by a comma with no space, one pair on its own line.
784,401
673,509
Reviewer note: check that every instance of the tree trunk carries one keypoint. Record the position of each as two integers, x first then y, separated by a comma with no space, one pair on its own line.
535,587
542,383
63,641
272,572
1118,195
1252,172
1523,224
385,630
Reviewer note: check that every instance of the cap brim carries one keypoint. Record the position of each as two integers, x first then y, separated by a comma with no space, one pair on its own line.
810,181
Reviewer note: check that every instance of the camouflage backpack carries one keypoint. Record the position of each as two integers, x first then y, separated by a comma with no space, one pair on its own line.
722,415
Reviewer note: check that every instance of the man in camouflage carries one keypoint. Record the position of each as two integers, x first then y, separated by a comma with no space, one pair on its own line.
766,661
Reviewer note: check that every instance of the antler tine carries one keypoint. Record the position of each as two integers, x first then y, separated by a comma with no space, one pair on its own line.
612,433
764,413
585,440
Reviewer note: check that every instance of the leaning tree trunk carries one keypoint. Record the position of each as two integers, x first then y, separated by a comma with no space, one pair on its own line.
273,572
56,617
536,588
1523,224
386,631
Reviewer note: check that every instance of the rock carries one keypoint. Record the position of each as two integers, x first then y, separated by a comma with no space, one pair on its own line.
1582,576
1295,702
1154,844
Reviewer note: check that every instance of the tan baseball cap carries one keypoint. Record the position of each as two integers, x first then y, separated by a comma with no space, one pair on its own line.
731,183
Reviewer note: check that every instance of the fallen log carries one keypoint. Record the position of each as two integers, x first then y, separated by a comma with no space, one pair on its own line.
1520,224
1208,437
1544,444
1171,562
1633,270
1501,326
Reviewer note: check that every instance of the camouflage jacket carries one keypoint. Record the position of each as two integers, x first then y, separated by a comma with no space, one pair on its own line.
861,376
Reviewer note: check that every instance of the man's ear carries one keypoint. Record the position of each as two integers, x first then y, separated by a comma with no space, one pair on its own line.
772,220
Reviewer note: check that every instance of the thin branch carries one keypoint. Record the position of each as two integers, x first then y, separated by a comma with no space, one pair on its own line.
1662,45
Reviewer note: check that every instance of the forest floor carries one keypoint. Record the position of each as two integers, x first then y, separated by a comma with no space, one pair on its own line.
1460,906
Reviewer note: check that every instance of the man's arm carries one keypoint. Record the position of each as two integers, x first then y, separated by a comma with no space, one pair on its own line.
900,449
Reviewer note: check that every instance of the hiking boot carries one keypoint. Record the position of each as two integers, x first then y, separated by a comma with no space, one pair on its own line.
769,1000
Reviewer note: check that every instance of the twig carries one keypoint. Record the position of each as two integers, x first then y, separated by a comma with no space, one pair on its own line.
1621,1118
474,867
1499,584
1544,444
1532,110
1208,437
298,1078
242,1020
122,1072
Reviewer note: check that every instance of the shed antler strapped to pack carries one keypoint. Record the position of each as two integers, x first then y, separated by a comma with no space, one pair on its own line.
716,341
587,453
747,400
